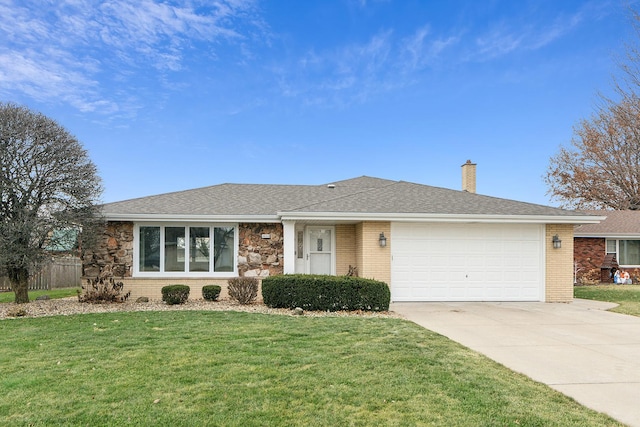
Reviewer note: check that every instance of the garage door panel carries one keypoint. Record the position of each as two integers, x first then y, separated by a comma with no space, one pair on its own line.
467,262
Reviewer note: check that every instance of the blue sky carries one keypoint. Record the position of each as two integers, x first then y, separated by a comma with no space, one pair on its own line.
171,95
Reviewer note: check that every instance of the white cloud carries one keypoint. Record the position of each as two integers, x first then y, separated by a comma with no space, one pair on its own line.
355,72
420,50
500,41
340,76
504,38
61,49
43,79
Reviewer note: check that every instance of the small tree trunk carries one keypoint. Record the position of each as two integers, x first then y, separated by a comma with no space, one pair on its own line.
19,278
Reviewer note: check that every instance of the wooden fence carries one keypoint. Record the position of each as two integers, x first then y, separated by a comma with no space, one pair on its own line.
59,273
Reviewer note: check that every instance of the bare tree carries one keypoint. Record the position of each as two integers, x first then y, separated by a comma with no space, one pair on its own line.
601,169
47,184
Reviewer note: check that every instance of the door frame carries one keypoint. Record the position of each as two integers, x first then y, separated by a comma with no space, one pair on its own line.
303,264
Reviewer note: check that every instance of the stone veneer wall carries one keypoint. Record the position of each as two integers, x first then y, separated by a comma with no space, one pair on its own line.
257,256
114,249
260,256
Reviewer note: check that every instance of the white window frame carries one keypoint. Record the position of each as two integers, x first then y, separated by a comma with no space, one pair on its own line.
617,251
185,274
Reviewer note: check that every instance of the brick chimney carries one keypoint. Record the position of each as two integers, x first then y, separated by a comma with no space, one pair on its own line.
469,177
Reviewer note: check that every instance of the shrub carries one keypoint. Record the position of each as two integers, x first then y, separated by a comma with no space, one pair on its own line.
591,277
326,293
211,292
103,289
175,294
16,312
243,289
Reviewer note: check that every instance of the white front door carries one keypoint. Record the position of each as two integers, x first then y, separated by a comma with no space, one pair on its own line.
320,250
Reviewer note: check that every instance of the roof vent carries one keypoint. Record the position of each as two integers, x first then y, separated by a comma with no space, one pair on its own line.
331,186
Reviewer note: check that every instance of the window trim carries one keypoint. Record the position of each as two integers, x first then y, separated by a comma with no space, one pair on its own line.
185,274
617,250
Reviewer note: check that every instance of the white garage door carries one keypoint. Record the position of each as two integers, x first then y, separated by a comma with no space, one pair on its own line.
467,262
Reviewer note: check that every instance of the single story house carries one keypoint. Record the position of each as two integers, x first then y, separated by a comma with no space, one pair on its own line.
613,242
428,243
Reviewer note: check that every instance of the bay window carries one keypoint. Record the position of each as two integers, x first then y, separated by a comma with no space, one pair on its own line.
185,250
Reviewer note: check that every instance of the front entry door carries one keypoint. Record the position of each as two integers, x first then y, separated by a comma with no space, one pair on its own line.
320,242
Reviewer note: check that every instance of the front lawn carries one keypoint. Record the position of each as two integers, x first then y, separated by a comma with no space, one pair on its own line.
628,296
183,368
53,294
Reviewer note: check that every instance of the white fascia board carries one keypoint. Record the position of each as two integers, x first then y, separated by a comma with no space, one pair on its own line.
617,236
191,218
417,217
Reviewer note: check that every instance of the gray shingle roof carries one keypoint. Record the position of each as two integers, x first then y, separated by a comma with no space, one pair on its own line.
363,195
622,223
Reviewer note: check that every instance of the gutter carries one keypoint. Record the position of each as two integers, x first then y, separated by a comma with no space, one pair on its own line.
357,217
458,218
191,218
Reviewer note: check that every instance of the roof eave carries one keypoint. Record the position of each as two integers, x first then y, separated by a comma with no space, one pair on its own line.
190,218
422,217
616,235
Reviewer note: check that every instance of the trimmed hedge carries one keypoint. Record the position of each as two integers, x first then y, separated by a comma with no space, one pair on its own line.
211,292
325,293
175,294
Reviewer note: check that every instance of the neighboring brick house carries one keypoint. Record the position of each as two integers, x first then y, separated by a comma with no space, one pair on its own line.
427,243
614,242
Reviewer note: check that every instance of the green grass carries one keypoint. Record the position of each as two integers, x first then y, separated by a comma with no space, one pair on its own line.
628,296
53,294
181,368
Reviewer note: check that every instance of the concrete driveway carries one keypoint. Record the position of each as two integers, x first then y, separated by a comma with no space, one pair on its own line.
578,349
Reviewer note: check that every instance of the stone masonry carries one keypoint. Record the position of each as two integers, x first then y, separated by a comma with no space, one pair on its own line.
261,250
114,250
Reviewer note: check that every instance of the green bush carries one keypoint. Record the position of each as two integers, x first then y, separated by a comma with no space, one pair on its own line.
243,289
211,292
325,293
175,294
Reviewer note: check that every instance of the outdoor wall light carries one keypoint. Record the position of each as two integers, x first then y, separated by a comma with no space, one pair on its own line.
557,243
382,240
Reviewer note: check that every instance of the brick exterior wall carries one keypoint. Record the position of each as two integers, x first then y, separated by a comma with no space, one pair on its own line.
469,177
373,261
345,248
356,245
559,264
152,287
588,254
